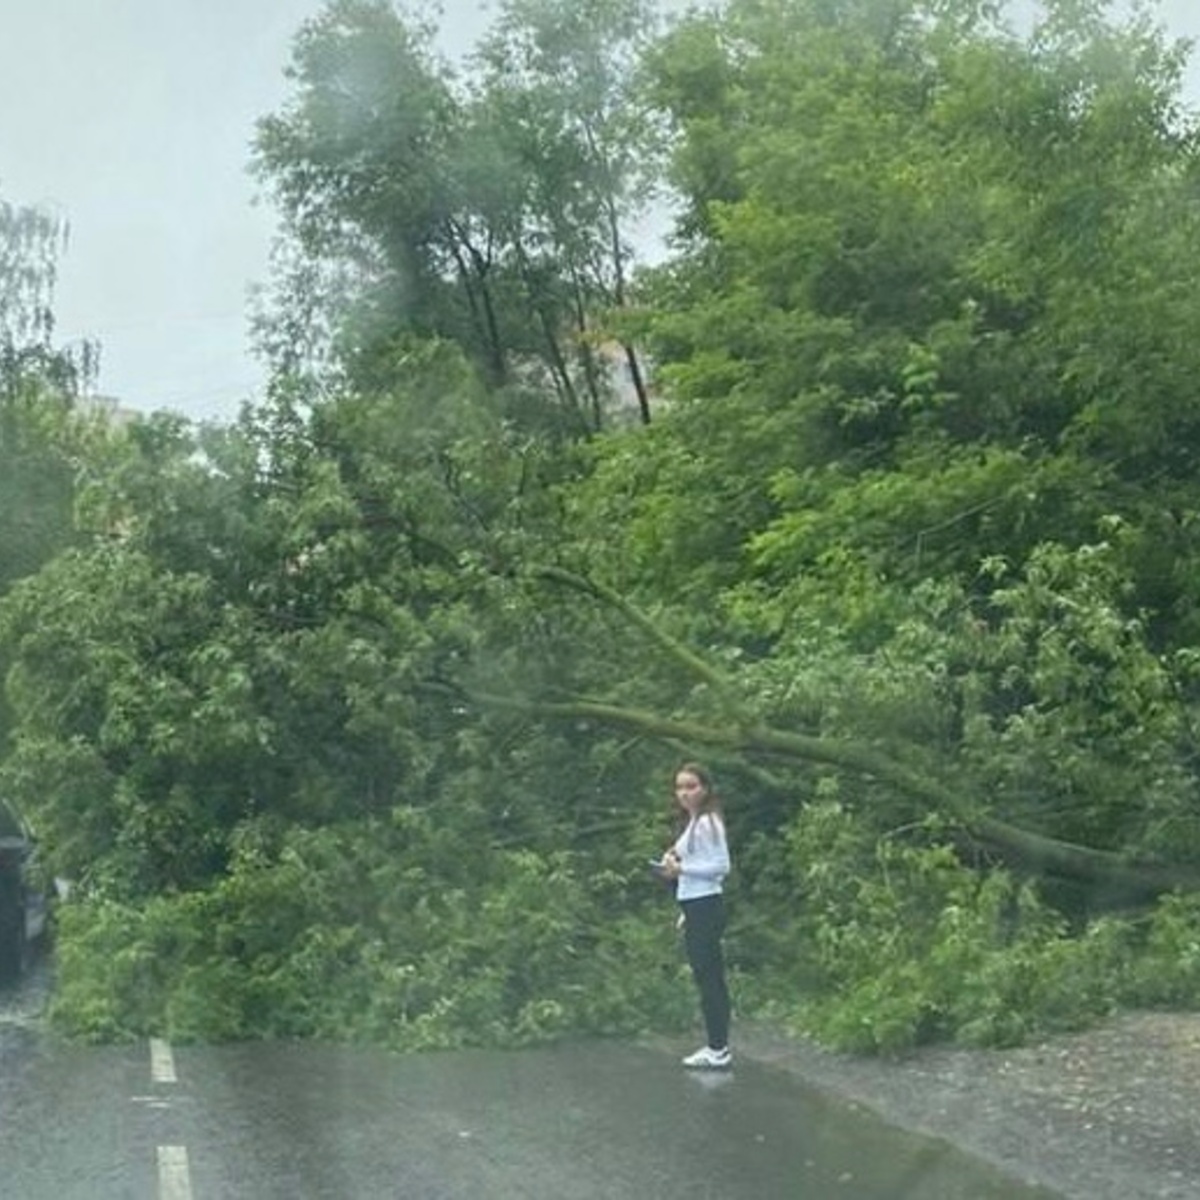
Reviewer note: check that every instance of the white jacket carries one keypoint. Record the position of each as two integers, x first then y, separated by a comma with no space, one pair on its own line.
703,855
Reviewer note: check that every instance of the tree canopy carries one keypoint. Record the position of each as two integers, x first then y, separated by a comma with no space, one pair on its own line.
490,212
354,717
40,444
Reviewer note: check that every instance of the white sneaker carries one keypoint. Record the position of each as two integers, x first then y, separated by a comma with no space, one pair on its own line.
708,1059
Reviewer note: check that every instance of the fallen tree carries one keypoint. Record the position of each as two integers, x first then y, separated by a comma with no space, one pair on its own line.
1028,850
1025,848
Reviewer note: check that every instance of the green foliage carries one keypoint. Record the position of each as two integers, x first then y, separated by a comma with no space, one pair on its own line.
1078,722
1166,971
40,443
378,931
30,242
489,212
889,943
875,946
42,440
350,720
885,322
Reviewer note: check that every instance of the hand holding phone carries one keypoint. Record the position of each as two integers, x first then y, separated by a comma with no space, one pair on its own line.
666,867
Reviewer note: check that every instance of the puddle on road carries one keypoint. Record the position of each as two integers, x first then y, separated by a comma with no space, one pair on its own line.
591,1122
597,1121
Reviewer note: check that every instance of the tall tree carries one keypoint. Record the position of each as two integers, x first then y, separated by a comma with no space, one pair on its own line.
564,81
38,385
357,159
42,448
492,213
901,219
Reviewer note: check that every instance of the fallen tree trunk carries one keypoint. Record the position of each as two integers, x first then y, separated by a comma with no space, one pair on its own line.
1112,873
1031,851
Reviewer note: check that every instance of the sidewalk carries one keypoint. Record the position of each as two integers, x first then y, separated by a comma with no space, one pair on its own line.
1109,1114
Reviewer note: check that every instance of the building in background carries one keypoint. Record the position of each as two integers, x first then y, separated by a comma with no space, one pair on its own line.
107,407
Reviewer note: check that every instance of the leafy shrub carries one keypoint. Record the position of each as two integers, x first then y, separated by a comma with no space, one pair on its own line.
894,944
1165,973
372,932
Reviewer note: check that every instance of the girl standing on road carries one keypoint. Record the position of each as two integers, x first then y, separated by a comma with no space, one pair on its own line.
699,862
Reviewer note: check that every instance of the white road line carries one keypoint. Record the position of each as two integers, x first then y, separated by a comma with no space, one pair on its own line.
162,1062
174,1182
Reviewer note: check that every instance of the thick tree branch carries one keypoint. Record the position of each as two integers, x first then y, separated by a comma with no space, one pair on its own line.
1033,850
688,658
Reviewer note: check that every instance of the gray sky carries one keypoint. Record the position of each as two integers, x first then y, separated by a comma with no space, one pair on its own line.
132,119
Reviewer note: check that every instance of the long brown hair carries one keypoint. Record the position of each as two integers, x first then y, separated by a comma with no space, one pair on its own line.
712,799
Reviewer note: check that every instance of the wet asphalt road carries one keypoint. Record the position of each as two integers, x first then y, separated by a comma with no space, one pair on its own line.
310,1122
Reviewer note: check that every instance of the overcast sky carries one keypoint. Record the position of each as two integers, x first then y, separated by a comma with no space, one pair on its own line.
132,119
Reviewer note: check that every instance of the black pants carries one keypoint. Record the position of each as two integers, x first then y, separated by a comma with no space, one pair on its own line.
703,925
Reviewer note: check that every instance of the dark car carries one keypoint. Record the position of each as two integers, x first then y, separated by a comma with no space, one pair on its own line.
23,908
